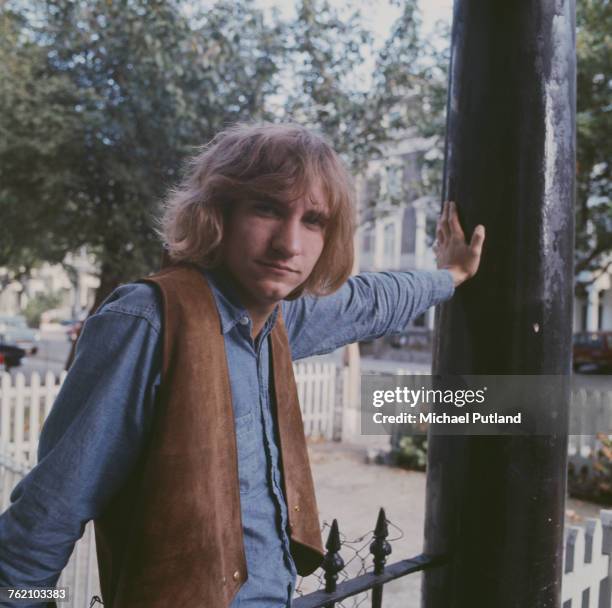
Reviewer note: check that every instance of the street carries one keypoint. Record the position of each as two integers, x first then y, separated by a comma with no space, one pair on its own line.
587,378
54,348
52,354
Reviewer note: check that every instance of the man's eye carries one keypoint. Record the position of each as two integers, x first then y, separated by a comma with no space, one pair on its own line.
266,209
315,220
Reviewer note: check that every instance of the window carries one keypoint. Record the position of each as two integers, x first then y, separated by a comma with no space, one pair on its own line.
394,181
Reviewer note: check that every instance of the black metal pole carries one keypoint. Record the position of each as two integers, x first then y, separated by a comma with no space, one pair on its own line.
496,504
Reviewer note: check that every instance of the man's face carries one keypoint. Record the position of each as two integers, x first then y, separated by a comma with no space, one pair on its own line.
271,247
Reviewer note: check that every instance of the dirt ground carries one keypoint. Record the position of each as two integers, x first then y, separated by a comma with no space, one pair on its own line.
351,490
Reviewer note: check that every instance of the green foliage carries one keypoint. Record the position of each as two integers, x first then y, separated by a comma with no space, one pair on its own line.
101,103
102,100
366,117
38,304
411,452
419,72
594,484
325,52
594,135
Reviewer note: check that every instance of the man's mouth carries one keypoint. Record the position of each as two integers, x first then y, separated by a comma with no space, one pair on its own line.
278,266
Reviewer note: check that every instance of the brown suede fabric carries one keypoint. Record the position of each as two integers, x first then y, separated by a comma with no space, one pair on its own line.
173,535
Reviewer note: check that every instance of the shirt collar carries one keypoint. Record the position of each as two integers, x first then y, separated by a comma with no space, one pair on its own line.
230,309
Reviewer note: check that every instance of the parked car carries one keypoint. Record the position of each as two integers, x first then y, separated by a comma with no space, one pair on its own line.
593,347
417,338
10,355
15,331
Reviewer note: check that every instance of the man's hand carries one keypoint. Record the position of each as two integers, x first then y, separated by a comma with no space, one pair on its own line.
452,252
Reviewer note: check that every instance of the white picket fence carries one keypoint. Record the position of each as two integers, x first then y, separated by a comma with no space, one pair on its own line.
80,575
587,568
317,392
24,407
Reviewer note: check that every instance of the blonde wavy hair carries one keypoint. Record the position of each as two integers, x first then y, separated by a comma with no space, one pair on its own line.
279,161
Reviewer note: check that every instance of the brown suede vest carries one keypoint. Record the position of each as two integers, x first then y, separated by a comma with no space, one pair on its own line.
172,536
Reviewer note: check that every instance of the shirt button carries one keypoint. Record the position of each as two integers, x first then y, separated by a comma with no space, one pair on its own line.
244,321
296,508
236,575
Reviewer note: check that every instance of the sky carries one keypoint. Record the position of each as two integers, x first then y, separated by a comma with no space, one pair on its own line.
378,16
381,18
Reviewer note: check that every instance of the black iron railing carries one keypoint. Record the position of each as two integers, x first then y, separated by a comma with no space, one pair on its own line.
333,564
380,549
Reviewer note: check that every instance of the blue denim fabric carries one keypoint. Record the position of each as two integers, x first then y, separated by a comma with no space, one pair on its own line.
99,422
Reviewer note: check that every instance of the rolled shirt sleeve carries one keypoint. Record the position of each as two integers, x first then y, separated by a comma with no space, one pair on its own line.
89,442
367,306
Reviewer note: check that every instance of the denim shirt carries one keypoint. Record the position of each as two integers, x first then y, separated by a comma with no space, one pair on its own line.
100,419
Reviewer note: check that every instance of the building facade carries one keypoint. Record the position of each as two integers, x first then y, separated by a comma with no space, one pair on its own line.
73,284
400,233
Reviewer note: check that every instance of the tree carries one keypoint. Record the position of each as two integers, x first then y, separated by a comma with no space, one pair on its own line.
37,124
326,52
411,78
363,115
594,137
415,73
101,103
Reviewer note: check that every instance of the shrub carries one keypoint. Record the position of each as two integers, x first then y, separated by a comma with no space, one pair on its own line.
38,304
594,481
411,452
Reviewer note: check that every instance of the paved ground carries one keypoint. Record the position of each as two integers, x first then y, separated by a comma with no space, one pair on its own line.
352,491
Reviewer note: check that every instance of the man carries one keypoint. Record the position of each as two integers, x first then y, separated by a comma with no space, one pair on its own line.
178,429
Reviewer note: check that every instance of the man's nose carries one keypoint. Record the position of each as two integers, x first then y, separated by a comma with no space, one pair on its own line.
287,238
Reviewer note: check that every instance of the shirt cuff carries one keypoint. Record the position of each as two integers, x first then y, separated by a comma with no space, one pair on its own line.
443,286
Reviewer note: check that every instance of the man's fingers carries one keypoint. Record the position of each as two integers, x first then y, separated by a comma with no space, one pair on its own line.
453,221
444,220
478,237
439,232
